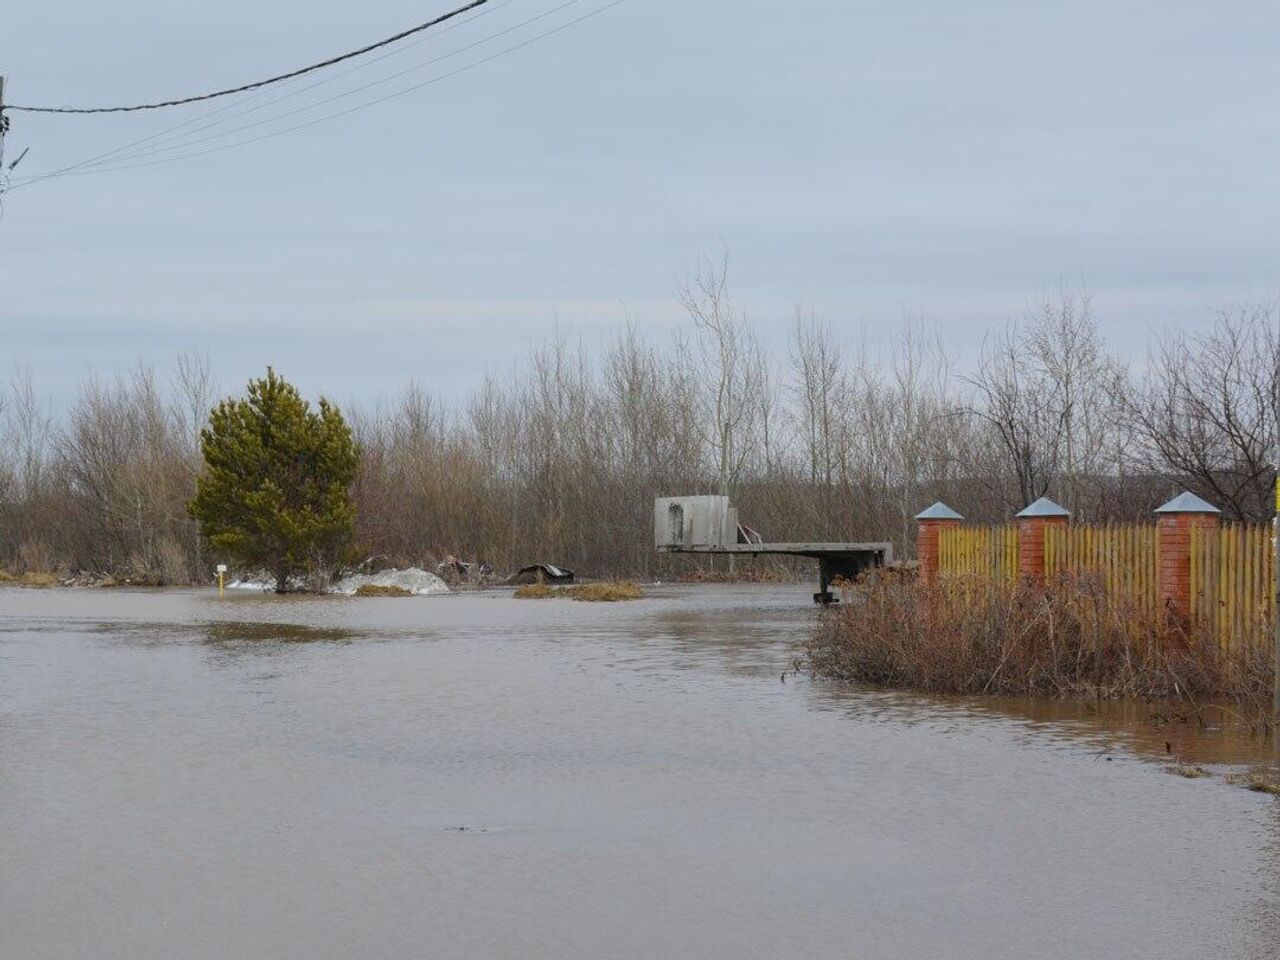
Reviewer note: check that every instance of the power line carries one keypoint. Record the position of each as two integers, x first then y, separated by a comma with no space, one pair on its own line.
126,165
240,108
243,88
186,141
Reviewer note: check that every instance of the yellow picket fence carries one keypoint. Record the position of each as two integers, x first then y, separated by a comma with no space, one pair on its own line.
1231,570
1124,557
1233,581
989,552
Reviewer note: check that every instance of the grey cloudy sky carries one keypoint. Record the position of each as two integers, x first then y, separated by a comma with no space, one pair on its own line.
869,159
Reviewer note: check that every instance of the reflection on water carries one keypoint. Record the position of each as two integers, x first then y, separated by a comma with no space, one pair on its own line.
262,633
220,632
474,776
1206,735
756,639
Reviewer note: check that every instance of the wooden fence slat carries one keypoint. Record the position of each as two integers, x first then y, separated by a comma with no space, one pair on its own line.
1196,603
1231,568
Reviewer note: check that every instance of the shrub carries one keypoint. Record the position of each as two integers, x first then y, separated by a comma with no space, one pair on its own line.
1258,782
534,591
593,592
1069,638
379,590
35,579
604,592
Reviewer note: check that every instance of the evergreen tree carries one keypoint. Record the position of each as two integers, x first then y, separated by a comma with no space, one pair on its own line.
276,488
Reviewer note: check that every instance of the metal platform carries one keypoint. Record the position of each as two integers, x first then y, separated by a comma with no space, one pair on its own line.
845,560
709,525
815,550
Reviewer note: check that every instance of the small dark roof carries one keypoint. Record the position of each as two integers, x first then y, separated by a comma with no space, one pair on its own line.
939,511
1044,507
1187,503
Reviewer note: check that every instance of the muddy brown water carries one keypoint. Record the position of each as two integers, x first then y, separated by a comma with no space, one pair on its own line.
475,776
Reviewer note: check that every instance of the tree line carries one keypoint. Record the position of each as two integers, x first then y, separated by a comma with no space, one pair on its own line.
560,462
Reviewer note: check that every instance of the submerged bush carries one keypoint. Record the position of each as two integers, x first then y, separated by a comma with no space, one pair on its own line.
1258,781
381,590
534,591
606,592
595,592
1069,638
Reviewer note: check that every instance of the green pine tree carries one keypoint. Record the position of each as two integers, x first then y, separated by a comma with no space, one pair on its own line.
275,493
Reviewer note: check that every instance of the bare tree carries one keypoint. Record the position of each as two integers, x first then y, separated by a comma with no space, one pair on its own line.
1205,412
558,458
1022,408
1062,339
819,392
731,361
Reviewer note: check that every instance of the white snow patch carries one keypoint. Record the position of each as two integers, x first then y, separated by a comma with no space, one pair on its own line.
416,581
259,582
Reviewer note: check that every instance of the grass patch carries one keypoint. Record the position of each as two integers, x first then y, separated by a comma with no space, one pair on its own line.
378,590
604,592
1067,639
1188,770
534,591
33,579
7,577
1257,782
608,592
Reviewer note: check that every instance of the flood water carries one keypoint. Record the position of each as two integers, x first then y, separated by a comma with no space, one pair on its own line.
474,776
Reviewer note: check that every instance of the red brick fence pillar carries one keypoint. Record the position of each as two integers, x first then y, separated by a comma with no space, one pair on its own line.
931,523
1032,522
1175,522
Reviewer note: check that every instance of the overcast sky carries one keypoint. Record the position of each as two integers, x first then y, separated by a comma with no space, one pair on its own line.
872,160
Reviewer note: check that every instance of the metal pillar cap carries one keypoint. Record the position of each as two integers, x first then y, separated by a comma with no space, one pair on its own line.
939,511
1187,502
1044,507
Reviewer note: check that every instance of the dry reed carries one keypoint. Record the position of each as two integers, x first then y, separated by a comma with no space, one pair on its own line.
1067,639
591,592
381,590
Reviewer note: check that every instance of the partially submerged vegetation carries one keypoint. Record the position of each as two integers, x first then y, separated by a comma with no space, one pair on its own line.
381,590
604,592
32,578
1258,781
591,592
1066,639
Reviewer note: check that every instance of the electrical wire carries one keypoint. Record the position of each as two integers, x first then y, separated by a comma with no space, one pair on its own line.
240,107
244,88
333,116
186,143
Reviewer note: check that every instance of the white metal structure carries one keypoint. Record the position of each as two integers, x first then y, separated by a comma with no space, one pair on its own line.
709,524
